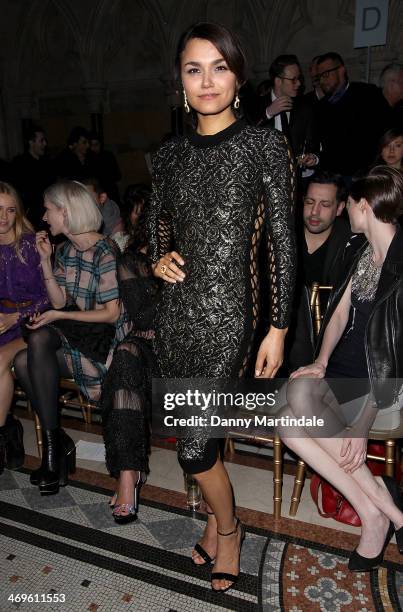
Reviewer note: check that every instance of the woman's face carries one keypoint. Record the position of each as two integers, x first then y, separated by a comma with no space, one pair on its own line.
392,154
55,217
8,213
209,84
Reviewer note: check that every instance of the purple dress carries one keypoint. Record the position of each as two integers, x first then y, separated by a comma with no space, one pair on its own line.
21,282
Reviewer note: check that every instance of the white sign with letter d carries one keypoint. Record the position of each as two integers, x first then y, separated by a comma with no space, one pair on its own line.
371,22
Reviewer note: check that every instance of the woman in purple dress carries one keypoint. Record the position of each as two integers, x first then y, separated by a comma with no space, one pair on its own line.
22,293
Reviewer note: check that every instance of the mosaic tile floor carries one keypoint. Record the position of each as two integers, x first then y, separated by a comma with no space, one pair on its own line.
67,545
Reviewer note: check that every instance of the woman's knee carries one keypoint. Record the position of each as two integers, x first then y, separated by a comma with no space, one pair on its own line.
20,363
39,340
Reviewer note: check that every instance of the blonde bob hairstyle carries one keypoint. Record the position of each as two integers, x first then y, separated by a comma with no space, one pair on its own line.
82,212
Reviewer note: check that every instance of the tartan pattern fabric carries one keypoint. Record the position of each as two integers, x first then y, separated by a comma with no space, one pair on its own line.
90,279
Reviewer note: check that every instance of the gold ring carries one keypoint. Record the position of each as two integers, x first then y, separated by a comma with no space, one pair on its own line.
163,268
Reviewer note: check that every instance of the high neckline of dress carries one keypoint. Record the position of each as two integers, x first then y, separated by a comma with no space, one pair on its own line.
211,140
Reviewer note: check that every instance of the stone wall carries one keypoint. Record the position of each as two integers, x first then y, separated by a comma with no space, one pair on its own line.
61,60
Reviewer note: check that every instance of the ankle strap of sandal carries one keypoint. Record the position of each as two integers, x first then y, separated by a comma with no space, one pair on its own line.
230,532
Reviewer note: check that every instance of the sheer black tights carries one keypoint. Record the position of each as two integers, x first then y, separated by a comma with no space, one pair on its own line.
39,368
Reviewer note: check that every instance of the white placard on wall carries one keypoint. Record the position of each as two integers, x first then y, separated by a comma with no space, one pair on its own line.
371,22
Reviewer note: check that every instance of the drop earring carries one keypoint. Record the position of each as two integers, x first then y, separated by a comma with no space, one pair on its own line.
185,102
237,102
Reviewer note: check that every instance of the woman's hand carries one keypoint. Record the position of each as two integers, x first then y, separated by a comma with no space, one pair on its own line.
44,318
7,320
167,269
314,370
354,451
271,353
43,246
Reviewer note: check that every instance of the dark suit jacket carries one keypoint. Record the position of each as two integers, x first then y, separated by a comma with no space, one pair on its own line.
350,128
300,339
304,134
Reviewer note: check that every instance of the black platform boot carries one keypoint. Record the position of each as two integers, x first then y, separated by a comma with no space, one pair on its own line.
67,450
50,467
2,448
15,453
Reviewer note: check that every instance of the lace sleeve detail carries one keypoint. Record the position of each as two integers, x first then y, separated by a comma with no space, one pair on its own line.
138,289
159,221
279,191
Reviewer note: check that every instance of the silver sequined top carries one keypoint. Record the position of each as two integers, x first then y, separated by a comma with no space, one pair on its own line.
212,197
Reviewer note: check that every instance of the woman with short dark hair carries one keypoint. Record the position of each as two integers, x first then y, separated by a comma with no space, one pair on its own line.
390,149
213,193
361,344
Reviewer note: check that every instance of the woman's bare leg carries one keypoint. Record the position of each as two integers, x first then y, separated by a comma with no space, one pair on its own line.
217,492
125,490
374,521
7,354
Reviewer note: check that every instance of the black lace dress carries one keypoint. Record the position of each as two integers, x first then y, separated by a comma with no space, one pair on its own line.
126,394
212,195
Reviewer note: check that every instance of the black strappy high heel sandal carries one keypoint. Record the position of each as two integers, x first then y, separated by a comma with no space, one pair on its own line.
223,575
202,553
123,519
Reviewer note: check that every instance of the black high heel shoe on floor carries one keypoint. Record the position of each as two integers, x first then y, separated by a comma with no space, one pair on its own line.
358,563
397,497
132,511
223,575
58,461
67,450
202,553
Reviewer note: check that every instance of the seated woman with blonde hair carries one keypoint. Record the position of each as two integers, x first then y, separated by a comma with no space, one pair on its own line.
22,293
77,337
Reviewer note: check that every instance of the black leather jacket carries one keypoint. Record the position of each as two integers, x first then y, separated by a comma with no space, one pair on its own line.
384,331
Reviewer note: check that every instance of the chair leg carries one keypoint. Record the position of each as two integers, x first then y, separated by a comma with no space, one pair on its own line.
298,485
89,414
390,457
83,408
229,446
38,432
277,476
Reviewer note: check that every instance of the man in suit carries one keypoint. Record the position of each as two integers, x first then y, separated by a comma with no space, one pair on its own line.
391,81
316,94
321,239
351,119
33,173
290,113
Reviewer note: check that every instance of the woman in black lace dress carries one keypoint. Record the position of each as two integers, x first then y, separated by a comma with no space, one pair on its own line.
212,194
126,391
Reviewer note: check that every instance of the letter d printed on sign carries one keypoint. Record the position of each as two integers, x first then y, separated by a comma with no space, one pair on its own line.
371,22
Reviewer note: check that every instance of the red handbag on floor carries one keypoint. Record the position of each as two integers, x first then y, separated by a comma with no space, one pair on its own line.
334,505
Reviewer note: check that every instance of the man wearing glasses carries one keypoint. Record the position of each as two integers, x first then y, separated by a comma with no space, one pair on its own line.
288,112
351,118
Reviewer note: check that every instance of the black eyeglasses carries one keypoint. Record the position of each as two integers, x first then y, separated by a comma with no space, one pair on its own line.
293,79
325,74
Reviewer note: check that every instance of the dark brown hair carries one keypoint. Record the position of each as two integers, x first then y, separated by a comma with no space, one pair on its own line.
385,140
280,63
223,39
383,190
136,196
